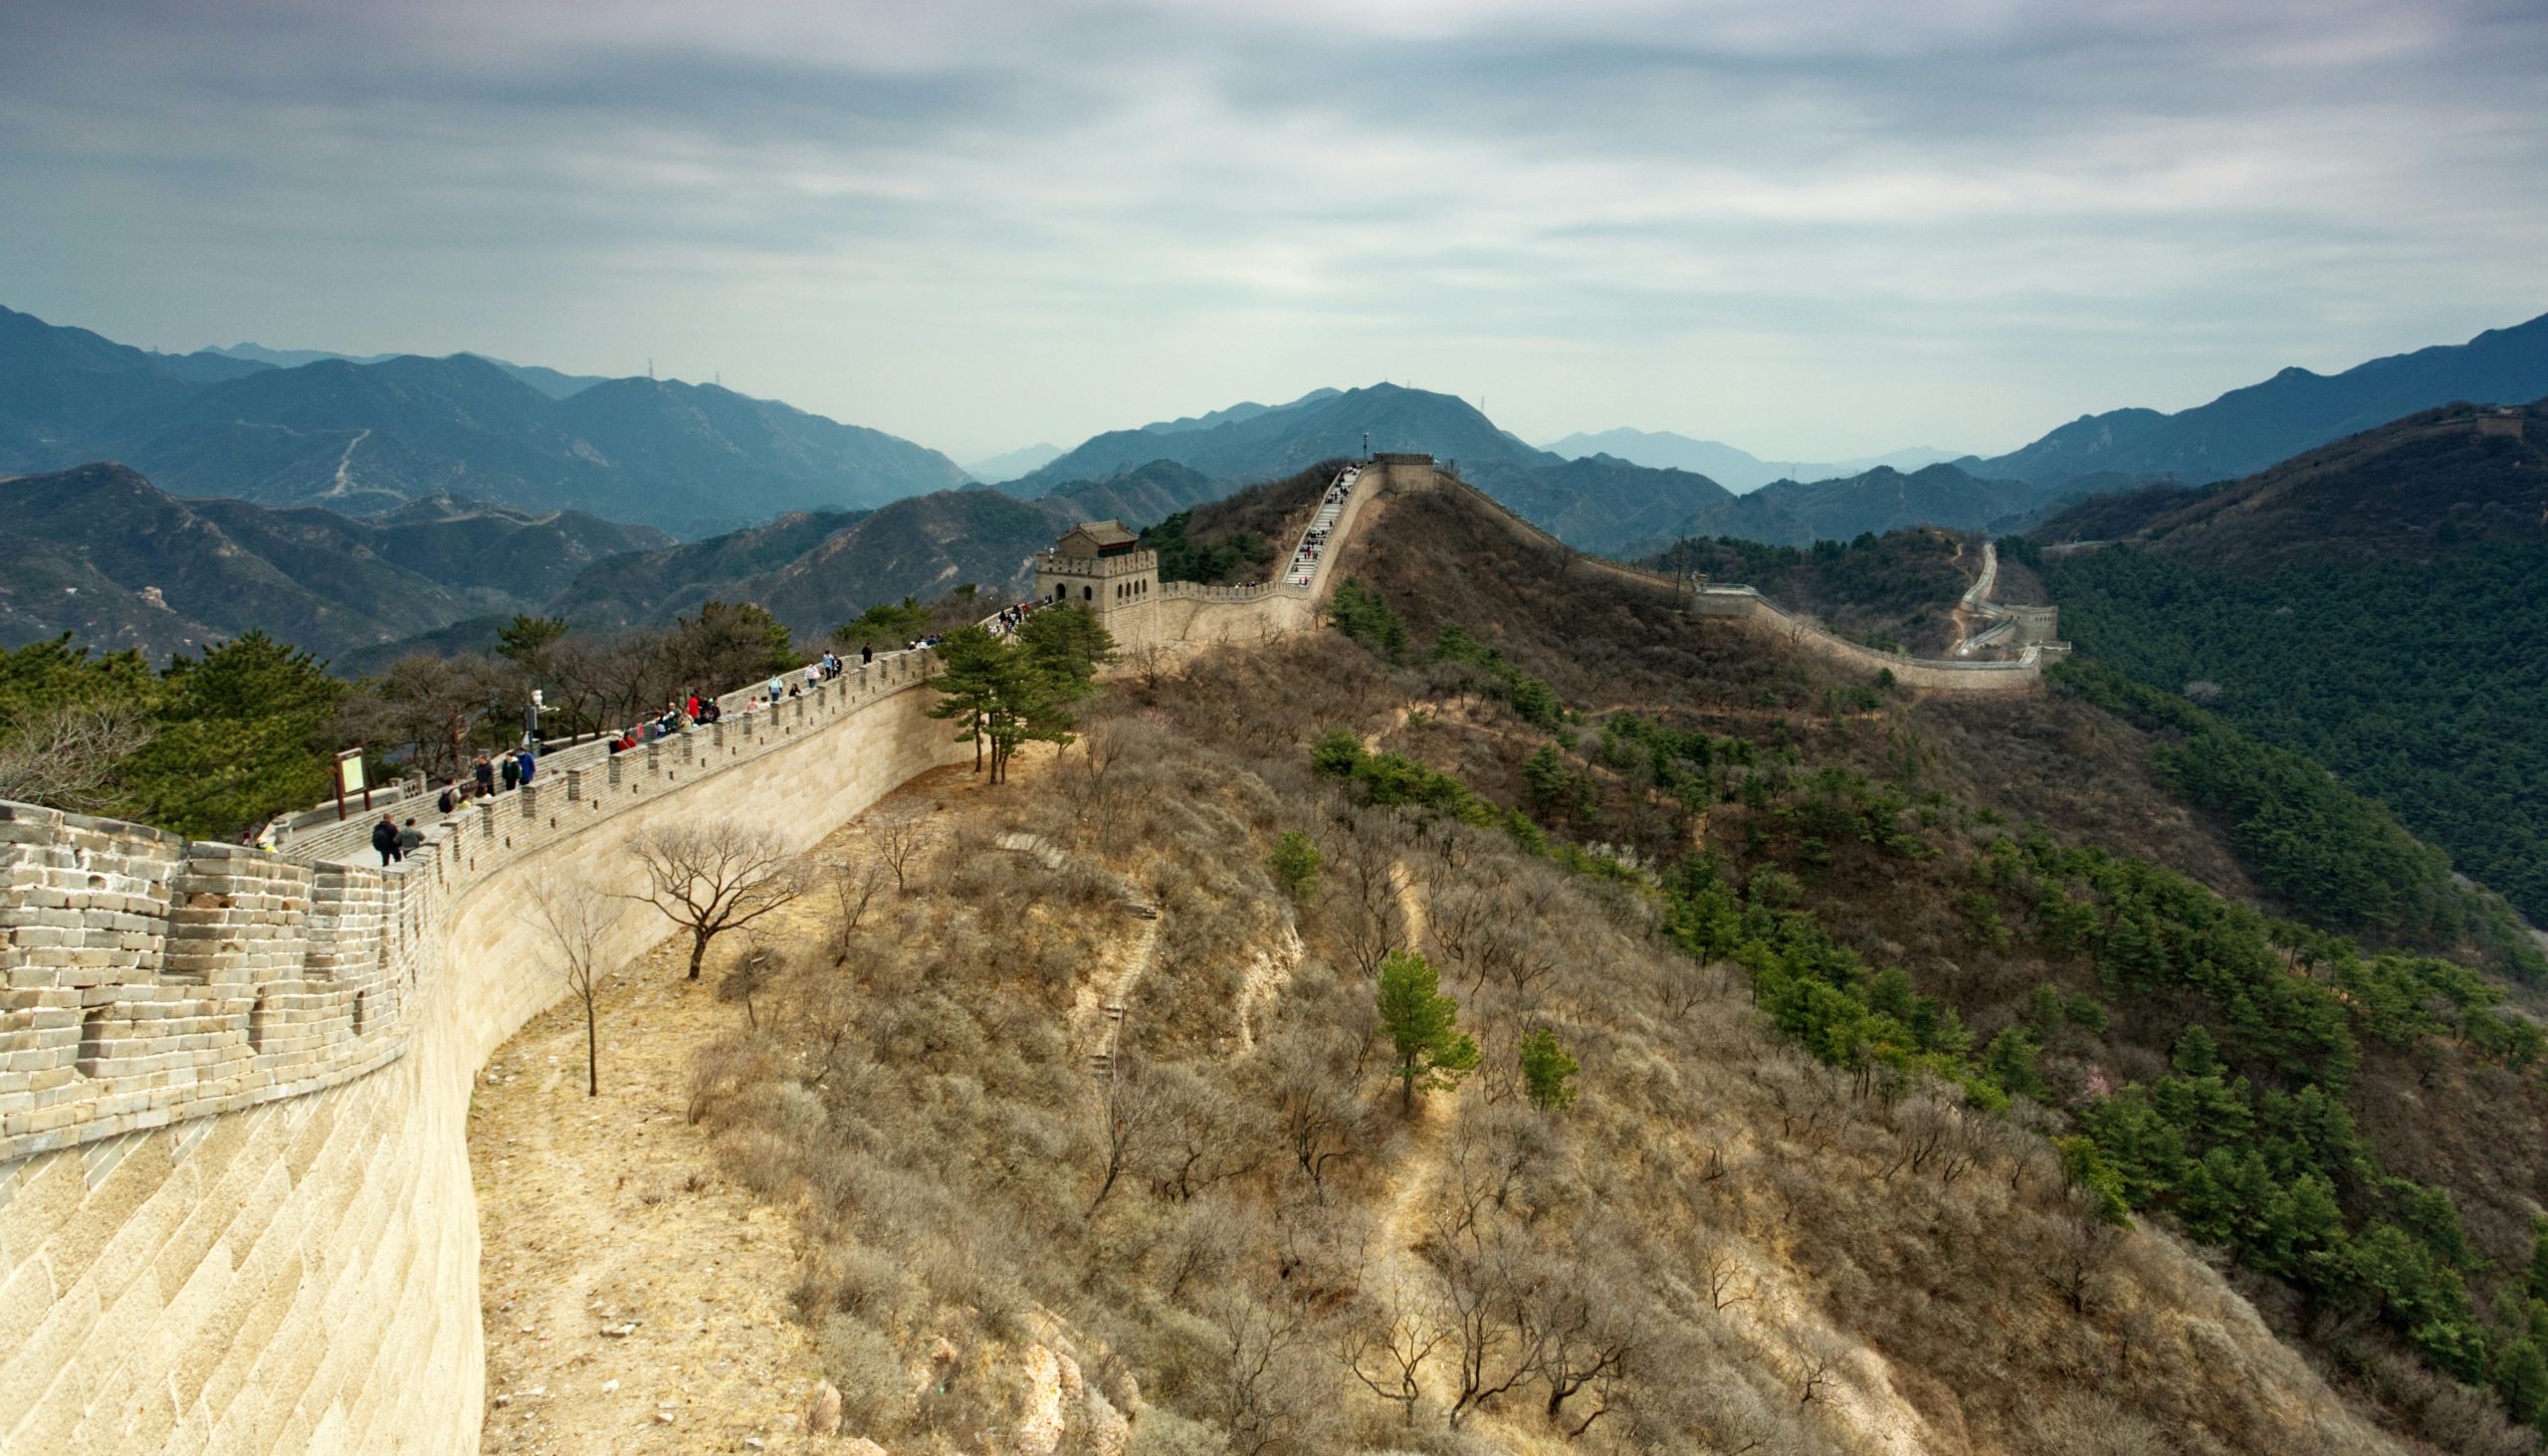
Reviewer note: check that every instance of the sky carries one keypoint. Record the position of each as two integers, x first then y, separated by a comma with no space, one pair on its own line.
1810,230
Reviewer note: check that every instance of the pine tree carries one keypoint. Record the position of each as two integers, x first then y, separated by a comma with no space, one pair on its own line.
970,672
1295,864
1544,780
2008,1060
1423,1026
2198,1055
1548,1072
2521,1379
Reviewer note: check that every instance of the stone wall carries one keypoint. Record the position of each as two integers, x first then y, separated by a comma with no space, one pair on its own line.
235,1208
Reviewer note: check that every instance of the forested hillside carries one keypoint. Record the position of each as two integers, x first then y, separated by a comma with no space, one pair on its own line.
2376,605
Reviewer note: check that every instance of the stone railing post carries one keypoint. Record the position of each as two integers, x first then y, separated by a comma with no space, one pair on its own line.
574,785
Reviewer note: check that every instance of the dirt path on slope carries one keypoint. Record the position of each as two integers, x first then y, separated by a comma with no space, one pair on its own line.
601,1213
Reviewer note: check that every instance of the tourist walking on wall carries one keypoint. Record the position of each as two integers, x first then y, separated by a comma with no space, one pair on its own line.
866,654
384,838
528,763
410,838
486,775
513,774
450,800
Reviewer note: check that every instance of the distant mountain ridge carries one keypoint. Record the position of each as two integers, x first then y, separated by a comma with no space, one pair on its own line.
1735,470
101,553
2415,489
688,457
1799,513
551,383
1249,442
1012,464
2247,430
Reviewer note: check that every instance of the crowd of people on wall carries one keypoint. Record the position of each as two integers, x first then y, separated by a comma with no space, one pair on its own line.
498,773
1305,561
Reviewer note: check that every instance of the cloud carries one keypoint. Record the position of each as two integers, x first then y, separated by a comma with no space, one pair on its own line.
1815,230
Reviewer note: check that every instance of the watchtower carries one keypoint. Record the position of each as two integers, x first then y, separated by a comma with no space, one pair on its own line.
2036,625
1403,471
1100,565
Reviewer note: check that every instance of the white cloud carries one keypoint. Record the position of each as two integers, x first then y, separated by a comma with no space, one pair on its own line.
1815,230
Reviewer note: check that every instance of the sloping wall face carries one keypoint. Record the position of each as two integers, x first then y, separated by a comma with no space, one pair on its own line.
255,1228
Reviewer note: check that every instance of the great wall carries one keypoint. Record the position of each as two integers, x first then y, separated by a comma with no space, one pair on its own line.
235,1204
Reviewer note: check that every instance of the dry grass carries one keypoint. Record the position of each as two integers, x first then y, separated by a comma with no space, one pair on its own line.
1721,1247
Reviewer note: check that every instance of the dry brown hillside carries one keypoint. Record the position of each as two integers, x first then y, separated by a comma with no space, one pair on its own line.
1092,1141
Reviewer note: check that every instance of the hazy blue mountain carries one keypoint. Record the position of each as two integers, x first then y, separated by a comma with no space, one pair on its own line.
100,552
1735,470
547,382
1142,495
293,359
207,366
815,571
1603,504
2249,429
361,437
1798,512
1244,410
1015,463
1323,425
59,389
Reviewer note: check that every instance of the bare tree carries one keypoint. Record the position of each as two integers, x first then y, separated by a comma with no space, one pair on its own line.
899,833
1132,1115
66,757
756,971
713,878
575,919
1320,1120
1263,1396
1486,1277
1385,1343
1585,1333
854,885
1149,662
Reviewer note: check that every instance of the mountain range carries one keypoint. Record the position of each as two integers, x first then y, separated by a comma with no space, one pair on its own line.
101,553
547,382
1251,442
1799,513
2248,429
362,437
1735,470
1012,464
2435,483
